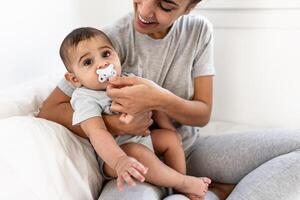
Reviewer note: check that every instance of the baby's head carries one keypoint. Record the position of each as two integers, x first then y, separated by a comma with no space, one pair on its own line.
83,52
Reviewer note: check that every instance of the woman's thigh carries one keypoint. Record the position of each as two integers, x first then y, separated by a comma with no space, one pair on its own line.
228,158
142,191
278,178
209,196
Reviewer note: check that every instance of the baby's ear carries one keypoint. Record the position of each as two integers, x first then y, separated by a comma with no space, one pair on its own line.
72,79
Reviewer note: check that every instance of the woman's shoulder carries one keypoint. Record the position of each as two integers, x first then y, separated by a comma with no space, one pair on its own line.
121,26
195,22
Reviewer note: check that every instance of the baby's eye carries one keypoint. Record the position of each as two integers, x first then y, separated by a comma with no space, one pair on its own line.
105,54
87,62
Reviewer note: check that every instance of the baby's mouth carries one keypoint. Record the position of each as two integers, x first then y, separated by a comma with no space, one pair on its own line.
105,73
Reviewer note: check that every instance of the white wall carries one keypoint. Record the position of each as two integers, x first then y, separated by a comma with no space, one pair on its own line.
257,45
32,30
257,50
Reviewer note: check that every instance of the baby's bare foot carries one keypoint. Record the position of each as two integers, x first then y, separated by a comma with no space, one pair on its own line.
195,186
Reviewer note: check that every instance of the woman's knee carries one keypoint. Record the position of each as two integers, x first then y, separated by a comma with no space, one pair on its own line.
141,191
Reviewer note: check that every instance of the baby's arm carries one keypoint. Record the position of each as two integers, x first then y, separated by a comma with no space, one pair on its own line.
111,153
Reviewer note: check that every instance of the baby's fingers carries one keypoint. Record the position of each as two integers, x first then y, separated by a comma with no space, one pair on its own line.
140,167
120,183
127,178
136,174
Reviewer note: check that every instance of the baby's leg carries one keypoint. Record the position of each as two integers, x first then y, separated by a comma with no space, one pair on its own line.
160,174
168,144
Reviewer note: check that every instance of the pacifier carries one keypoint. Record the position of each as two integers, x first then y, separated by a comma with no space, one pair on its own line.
105,73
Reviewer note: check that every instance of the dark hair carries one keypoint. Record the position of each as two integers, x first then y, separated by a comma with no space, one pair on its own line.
74,38
194,2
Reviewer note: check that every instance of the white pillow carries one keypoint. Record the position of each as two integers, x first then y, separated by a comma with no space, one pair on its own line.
25,99
40,159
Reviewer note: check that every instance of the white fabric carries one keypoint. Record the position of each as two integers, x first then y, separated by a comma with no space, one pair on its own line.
45,161
25,99
40,159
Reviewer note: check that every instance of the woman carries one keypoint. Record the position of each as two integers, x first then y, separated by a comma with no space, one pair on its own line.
161,43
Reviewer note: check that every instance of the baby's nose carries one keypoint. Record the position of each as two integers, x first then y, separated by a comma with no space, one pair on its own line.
102,65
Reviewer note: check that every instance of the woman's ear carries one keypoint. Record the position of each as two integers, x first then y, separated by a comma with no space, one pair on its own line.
73,79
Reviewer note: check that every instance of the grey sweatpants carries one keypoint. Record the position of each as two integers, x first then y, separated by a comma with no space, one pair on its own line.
265,165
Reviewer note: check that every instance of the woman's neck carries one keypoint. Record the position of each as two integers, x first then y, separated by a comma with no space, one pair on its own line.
160,34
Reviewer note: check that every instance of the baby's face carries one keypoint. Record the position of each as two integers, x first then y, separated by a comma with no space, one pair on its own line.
91,55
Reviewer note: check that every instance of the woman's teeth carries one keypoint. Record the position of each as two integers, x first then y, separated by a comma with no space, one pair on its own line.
143,20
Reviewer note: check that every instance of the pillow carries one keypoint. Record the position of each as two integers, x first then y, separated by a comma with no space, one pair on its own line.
40,159
25,99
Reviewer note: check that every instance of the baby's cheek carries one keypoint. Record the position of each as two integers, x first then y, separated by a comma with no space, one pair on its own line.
119,70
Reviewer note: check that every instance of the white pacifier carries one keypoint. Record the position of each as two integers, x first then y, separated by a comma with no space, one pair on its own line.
106,73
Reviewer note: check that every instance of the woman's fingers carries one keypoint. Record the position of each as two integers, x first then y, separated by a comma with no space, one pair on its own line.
114,88
123,81
114,92
115,107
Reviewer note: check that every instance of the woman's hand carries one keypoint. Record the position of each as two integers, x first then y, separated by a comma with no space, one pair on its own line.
134,95
128,169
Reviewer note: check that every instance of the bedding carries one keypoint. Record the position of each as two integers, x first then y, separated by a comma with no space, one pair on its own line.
40,159
46,161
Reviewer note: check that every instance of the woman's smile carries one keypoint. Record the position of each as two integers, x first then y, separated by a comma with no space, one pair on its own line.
143,23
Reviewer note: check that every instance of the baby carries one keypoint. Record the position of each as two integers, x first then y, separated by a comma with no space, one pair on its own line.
91,60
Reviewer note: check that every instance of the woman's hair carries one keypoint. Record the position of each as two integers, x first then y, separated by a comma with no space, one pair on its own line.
194,2
74,38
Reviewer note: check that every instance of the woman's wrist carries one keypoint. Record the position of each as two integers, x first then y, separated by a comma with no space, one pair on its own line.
164,100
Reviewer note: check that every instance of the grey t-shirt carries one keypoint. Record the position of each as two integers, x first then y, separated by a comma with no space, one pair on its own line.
173,62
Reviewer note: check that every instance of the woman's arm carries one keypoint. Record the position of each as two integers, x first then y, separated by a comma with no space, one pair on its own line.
195,112
57,108
142,95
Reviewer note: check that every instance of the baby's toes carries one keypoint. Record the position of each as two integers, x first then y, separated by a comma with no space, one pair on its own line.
206,180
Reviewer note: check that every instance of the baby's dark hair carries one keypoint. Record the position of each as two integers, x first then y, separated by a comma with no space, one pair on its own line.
74,38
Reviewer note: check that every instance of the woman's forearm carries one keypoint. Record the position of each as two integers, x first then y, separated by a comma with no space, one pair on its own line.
188,112
133,99
195,112
63,113
57,108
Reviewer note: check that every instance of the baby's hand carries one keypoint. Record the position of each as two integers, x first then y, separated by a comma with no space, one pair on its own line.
128,168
